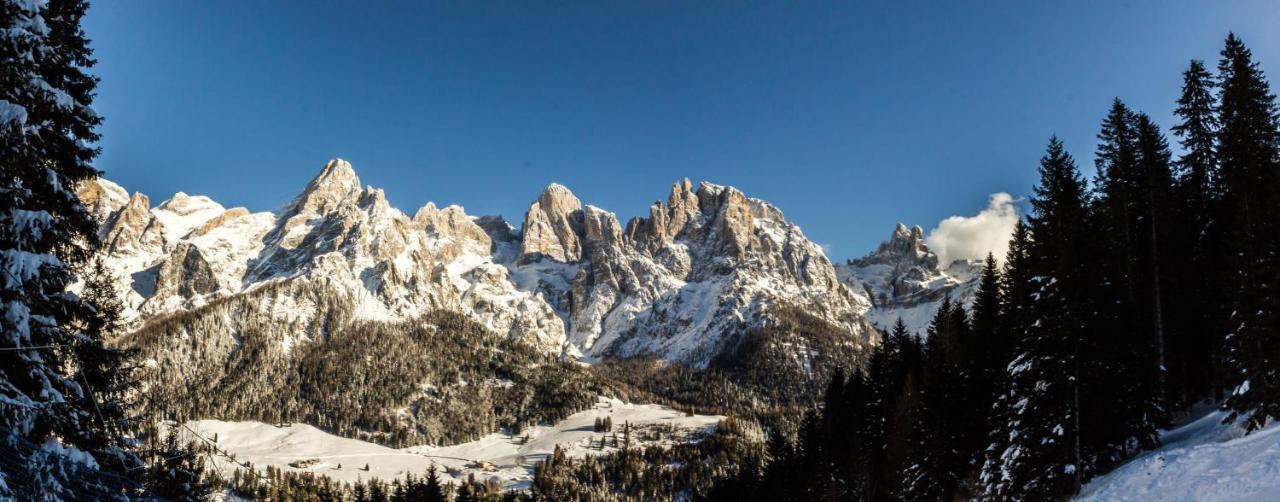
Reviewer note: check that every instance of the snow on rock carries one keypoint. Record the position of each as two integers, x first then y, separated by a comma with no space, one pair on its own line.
705,265
512,457
1204,460
903,279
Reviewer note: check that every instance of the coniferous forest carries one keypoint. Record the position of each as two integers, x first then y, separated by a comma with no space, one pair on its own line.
1125,303
1128,301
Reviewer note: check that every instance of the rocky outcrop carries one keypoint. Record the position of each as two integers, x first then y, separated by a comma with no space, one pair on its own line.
186,273
552,227
133,229
102,198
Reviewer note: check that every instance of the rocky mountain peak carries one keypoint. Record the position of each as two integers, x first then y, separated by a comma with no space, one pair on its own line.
552,227
902,279
182,204
335,183
904,249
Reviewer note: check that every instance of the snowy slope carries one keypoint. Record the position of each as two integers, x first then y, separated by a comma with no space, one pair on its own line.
265,444
1204,460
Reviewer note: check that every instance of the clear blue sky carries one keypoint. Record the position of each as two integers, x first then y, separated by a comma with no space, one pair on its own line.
850,116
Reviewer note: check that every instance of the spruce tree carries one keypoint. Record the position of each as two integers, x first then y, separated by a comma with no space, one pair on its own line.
1117,296
1247,153
58,380
937,466
992,346
1154,207
1041,457
177,472
1199,285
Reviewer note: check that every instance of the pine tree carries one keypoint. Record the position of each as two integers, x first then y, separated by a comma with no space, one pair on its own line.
46,236
1198,279
937,465
1248,157
990,353
1154,206
1042,458
432,490
177,472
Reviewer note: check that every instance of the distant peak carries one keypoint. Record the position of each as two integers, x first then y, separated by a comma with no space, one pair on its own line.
559,197
337,170
902,233
336,176
184,204
335,182
556,189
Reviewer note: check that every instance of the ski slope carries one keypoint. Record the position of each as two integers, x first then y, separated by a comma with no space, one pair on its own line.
512,458
1204,460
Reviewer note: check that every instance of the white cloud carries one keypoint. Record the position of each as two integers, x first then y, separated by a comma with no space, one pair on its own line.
972,237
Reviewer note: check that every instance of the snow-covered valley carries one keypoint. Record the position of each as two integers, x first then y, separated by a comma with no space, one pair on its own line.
508,458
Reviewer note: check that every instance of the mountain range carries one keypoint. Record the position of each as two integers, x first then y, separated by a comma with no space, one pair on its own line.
678,284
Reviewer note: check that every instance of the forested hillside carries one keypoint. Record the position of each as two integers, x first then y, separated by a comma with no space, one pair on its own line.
438,379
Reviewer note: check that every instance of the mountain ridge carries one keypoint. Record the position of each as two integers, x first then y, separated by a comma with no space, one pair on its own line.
677,284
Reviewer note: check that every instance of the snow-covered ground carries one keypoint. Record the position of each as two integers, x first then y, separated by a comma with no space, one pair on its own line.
513,459
1204,460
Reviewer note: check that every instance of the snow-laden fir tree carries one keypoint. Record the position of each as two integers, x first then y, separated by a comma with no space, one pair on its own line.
58,381
1037,455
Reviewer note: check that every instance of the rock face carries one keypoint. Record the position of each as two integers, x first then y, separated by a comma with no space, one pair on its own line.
902,279
702,268
552,226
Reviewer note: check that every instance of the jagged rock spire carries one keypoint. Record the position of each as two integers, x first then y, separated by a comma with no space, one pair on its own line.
553,226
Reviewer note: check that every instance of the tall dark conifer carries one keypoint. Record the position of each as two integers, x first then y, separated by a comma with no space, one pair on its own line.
1118,302
1158,257
1042,456
938,462
1199,284
1247,152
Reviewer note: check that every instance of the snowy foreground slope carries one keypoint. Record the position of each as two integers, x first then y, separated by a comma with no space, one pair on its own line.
267,445
1204,460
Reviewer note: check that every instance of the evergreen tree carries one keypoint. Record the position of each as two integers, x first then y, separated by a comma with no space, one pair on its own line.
176,472
937,465
59,380
1247,152
990,354
1041,457
1154,207
432,490
1198,282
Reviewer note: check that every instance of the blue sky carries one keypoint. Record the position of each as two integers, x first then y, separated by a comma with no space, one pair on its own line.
850,116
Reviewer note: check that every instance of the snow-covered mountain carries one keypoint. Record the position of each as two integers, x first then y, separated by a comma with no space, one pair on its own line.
679,284
903,279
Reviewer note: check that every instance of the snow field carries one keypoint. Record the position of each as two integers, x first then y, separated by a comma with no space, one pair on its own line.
511,457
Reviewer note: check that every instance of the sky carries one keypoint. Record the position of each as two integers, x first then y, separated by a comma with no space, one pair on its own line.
849,116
